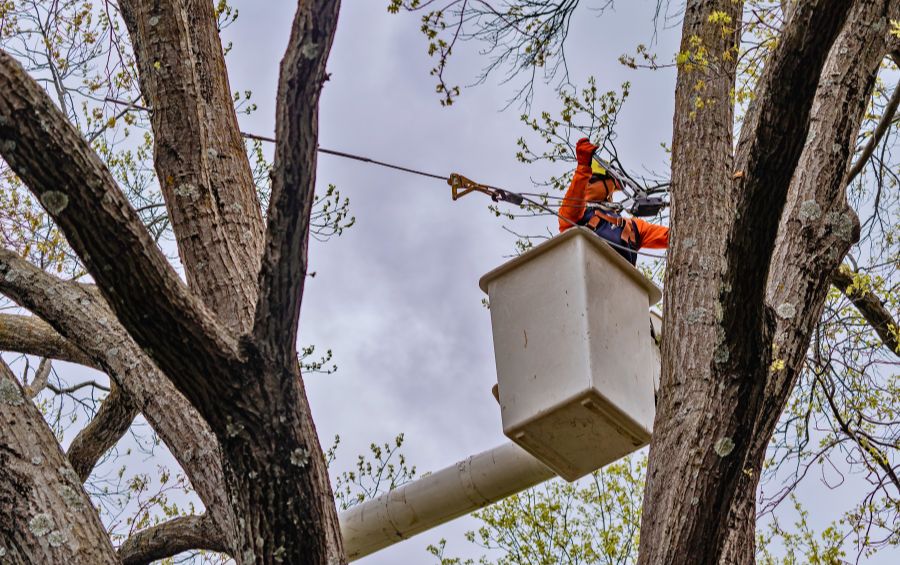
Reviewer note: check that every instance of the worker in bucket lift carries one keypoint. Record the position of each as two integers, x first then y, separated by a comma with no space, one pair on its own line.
592,184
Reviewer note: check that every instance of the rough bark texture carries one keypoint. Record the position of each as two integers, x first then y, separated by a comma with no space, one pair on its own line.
33,336
818,226
276,446
817,230
716,362
199,154
79,314
171,538
115,416
140,286
703,144
45,515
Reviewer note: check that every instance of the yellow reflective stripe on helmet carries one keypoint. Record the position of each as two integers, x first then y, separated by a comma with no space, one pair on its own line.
597,168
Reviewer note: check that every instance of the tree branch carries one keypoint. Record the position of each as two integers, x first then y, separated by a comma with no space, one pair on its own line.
284,264
170,538
32,336
870,306
772,138
816,230
199,155
81,316
40,379
115,416
717,350
45,515
886,118
157,309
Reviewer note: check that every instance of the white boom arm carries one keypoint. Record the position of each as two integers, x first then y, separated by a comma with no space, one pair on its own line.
439,497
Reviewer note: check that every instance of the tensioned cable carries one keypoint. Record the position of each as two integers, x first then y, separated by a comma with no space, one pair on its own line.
445,179
523,196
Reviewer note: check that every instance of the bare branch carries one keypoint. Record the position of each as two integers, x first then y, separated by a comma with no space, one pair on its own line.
886,118
111,422
284,265
78,386
40,379
32,336
170,538
871,307
45,515
199,155
156,308
877,455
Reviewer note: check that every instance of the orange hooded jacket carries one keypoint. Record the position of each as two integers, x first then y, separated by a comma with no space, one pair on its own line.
582,190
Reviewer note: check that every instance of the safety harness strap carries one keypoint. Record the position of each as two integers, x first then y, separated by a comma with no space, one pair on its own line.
628,231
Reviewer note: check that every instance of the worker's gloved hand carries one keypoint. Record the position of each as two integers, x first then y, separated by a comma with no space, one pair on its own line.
584,150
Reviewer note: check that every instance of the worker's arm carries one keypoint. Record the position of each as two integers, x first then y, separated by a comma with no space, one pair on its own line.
652,235
572,206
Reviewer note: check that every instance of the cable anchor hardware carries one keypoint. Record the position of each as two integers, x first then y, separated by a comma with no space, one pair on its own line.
460,186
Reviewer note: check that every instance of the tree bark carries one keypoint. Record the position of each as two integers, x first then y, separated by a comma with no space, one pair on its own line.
172,326
117,412
817,230
32,336
716,361
274,469
702,164
274,443
78,313
45,515
171,538
199,155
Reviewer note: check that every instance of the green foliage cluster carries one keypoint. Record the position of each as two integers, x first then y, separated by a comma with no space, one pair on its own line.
595,520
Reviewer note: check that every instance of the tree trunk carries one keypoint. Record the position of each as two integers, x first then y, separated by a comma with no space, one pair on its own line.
227,343
717,349
45,515
817,229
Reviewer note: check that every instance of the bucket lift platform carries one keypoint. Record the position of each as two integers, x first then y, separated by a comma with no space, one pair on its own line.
574,352
576,368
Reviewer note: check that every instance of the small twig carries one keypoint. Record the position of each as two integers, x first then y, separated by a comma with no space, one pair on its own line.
73,388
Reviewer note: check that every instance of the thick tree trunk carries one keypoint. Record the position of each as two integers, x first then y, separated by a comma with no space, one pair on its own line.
245,385
817,229
272,447
45,515
199,155
276,476
717,349
696,254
